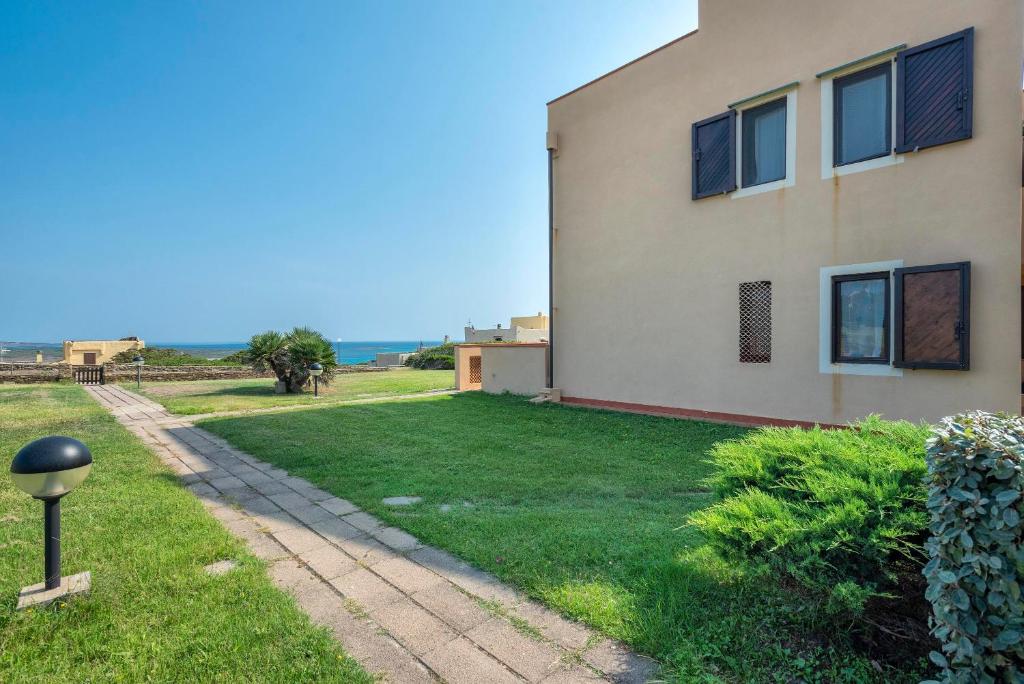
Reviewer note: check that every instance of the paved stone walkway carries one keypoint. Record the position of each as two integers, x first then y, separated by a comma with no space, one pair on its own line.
407,612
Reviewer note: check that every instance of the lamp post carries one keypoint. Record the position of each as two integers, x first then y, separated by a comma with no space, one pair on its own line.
138,361
316,370
47,469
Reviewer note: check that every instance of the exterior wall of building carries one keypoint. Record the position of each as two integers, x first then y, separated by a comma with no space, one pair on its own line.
631,246
538,322
514,368
75,350
463,355
512,334
384,359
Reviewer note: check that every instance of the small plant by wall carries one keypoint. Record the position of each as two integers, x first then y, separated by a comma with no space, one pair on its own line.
976,502
441,357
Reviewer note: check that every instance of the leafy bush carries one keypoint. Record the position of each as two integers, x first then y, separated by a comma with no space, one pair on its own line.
441,357
162,356
840,512
977,547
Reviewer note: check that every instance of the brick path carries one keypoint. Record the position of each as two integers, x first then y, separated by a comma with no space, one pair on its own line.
407,612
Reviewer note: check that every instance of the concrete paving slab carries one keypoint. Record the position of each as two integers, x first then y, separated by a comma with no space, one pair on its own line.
529,657
328,562
401,500
620,664
299,539
339,506
397,539
414,627
452,606
334,529
366,589
408,576
462,662
363,521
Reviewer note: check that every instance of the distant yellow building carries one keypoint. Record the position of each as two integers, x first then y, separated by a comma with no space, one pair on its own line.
92,352
538,322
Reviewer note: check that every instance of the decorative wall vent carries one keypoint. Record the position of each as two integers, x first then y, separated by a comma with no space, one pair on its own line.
756,322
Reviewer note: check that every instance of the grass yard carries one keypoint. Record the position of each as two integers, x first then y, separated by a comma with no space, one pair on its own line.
583,509
153,613
210,396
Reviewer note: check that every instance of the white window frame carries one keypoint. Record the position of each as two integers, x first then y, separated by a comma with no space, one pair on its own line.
825,290
790,178
828,122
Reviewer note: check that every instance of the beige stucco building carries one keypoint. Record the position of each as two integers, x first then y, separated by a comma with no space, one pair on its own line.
746,205
92,352
520,329
498,367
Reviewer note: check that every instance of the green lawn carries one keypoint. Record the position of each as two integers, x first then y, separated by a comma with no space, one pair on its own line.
583,509
153,613
209,396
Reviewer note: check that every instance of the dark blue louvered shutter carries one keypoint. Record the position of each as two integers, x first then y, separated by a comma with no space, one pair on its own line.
934,92
714,155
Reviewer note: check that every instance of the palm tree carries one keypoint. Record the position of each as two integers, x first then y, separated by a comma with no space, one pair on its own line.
290,355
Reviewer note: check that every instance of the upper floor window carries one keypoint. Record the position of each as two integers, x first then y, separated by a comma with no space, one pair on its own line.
863,115
894,101
749,149
764,143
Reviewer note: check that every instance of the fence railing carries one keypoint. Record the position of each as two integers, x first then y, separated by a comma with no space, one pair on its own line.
88,375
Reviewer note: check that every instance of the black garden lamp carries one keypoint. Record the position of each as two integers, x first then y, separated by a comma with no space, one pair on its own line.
316,370
138,361
47,469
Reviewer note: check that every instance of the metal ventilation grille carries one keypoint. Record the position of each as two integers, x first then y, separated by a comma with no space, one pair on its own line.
756,322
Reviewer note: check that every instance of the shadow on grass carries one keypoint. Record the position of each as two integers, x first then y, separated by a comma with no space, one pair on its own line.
582,508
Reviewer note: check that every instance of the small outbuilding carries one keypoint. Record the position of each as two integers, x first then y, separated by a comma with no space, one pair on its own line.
514,367
95,352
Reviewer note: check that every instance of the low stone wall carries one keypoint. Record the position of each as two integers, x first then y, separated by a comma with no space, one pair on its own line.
123,372
26,373
32,372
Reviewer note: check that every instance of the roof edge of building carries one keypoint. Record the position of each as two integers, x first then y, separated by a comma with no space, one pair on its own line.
620,68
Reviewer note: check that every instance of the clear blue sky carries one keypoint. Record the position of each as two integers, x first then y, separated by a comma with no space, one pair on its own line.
199,171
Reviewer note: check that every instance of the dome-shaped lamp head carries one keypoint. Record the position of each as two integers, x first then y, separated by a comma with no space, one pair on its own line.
316,370
138,360
50,467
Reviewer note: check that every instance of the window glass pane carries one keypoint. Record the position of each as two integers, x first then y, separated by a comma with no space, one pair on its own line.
862,306
864,118
764,143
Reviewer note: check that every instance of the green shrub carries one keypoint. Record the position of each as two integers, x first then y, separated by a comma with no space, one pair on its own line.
441,357
238,358
840,512
163,356
290,355
976,546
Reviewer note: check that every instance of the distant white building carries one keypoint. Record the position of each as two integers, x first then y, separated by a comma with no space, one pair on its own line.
521,329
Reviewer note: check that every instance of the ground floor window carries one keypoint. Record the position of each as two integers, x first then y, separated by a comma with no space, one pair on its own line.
860,318
879,318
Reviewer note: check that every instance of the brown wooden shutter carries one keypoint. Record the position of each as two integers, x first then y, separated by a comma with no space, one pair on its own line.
713,145
934,92
932,316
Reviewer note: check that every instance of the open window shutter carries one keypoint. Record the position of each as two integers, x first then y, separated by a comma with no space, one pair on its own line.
932,316
714,155
934,92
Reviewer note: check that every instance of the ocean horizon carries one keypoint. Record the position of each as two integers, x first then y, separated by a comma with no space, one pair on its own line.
346,352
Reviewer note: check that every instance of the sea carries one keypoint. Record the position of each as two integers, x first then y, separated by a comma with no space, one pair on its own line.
346,352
